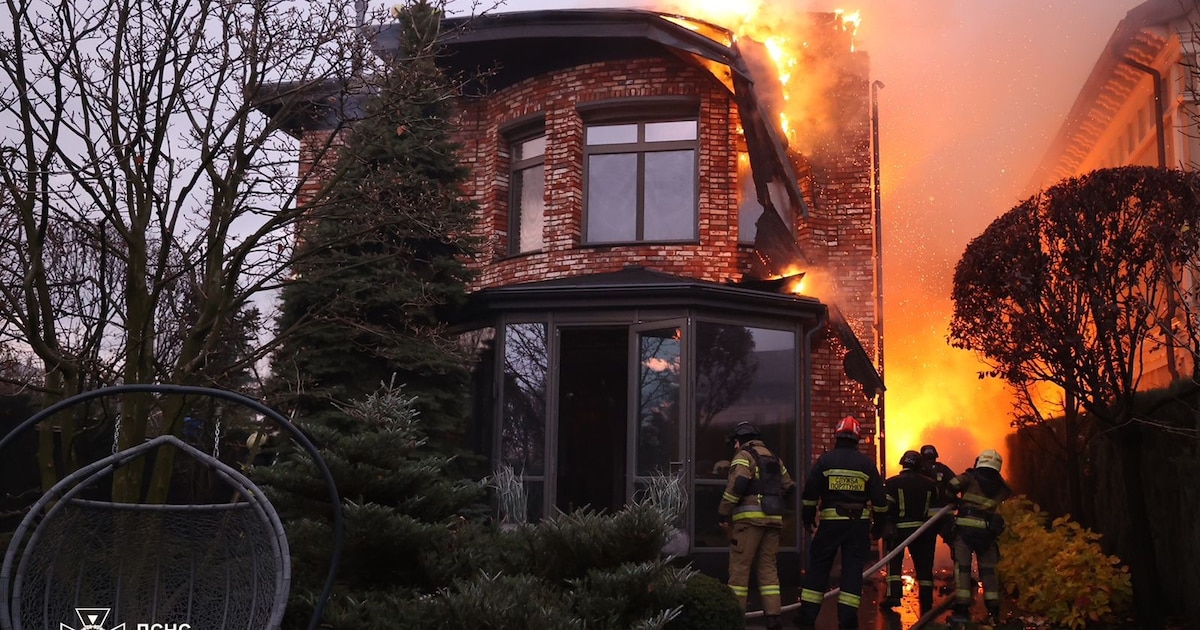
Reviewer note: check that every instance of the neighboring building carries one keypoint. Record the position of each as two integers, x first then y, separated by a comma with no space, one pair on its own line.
1138,107
633,299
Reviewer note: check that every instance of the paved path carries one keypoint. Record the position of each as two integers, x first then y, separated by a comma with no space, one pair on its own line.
870,617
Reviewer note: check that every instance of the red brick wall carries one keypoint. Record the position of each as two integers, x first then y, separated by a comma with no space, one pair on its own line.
840,236
716,257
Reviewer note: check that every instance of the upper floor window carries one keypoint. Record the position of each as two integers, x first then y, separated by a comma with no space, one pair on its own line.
527,206
641,181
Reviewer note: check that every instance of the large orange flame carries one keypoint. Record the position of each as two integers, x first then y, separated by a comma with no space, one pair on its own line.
933,393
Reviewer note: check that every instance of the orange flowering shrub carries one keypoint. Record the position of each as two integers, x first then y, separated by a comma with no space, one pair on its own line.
1058,570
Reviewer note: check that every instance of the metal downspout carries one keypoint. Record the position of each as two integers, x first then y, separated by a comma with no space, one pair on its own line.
1158,107
1161,138
880,417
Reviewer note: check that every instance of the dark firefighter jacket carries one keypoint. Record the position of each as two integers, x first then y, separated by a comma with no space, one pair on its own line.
909,494
980,491
751,476
841,484
941,474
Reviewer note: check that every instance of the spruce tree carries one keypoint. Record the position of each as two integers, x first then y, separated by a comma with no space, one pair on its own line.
384,263
403,509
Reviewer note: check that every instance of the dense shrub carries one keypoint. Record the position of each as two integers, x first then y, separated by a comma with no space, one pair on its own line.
707,604
1058,570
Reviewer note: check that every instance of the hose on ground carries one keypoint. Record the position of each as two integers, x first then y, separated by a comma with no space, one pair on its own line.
937,516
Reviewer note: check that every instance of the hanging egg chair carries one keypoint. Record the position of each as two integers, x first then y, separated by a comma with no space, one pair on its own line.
86,564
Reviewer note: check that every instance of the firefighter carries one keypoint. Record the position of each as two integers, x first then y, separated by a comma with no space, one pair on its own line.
909,495
978,492
941,474
839,488
751,511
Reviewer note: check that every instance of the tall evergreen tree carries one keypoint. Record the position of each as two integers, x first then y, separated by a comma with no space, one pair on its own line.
390,257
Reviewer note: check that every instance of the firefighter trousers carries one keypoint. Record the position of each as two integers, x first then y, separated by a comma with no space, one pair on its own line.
751,545
922,551
987,554
853,538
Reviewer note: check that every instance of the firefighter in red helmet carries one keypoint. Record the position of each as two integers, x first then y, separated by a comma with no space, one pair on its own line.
845,490
751,510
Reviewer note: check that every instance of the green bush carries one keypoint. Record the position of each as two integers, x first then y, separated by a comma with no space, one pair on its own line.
1058,571
707,604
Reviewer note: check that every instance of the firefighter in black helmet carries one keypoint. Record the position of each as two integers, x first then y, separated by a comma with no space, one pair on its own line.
941,475
751,510
844,488
909,496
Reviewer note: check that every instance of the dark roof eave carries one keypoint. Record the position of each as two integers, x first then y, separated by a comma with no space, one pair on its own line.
616,296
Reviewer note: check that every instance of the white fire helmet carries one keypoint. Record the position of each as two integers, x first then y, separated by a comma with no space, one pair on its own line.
989,459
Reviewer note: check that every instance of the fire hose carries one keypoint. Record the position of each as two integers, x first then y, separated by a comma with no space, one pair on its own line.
937,516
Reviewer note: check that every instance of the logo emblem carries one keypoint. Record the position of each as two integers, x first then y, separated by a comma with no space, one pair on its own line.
92,619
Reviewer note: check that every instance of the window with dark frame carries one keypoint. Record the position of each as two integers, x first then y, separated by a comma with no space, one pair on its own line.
527,205
641,181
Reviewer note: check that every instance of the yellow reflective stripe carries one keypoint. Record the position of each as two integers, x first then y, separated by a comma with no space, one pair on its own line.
730,497
769,589
740,591
811,596
962,594
967,521
845,472
741,516
910,524
809,502
991,595
830,514
979,500
901,493
849,599
879,508
894,578
924,582
740,461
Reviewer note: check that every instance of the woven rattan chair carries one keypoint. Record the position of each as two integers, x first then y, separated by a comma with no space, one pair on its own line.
80,563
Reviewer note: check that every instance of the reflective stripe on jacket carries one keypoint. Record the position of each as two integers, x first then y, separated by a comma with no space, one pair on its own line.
736,501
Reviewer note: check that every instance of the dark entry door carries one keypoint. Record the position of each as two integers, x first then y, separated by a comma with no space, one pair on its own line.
593,381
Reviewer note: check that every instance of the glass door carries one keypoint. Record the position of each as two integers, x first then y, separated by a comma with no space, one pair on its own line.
658,391
591,422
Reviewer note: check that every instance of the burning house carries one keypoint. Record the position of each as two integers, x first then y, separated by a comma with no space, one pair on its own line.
664,257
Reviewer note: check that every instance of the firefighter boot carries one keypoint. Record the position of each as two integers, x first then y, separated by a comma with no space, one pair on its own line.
773,622
993,609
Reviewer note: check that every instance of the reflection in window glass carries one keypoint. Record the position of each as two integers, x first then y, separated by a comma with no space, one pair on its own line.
658,400
523,432
641,182
669,131
528,196
742,374
749,210
612,134
670,196
530,184
612,198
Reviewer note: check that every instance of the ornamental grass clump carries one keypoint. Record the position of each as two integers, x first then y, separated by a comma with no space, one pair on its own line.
1057,570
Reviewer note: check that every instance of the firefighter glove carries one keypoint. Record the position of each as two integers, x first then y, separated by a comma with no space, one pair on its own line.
809,515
